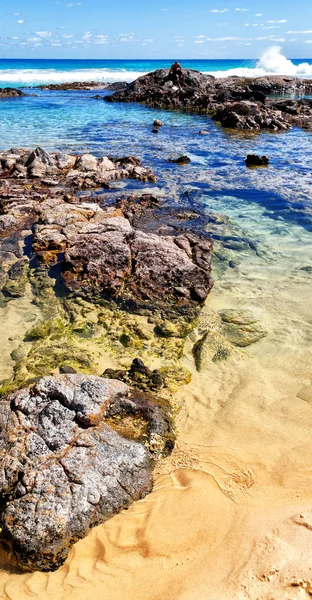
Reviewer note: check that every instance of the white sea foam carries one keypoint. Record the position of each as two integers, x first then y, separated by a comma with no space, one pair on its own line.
272,62
38,76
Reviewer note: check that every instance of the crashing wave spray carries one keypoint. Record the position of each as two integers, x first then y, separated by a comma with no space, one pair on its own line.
274,62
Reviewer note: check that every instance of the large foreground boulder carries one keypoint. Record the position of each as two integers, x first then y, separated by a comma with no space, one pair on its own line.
74,450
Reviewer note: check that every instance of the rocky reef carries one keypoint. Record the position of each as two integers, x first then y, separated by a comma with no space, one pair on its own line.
104,278
74,450
234,102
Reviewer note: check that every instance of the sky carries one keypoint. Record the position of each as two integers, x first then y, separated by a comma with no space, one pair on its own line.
155,29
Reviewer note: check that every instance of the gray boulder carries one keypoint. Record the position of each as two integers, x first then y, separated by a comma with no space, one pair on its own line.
74,450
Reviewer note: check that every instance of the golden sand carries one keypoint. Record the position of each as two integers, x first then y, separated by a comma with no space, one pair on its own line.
230,516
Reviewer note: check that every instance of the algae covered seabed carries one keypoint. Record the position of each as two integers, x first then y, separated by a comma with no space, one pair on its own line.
230,514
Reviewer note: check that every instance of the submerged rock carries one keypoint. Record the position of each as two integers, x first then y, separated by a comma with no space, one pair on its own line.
74,450
146,379
241,328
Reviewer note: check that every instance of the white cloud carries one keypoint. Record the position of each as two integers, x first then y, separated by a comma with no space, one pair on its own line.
219,10
44,33
21,21
199,42
242,9
258,15
280,21
304,31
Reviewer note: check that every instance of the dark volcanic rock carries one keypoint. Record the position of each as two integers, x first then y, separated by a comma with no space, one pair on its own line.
253,160
10,93
234,102
68,462
156,89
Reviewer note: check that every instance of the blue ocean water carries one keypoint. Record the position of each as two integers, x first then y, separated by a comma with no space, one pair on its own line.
20,72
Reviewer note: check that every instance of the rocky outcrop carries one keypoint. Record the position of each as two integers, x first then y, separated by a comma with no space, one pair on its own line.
74,450
234,102
11,93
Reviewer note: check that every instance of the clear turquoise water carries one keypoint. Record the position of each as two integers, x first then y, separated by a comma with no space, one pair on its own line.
216,176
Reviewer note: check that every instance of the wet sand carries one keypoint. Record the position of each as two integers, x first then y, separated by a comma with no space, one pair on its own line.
230,517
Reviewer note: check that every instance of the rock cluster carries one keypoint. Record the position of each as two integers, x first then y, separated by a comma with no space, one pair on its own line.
29,179
69,170
100,253
234,102
74,450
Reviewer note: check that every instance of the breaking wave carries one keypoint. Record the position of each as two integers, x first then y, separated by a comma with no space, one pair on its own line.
272,62
45,76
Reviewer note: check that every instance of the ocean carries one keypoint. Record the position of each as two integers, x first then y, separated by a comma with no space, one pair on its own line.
21,72
221,521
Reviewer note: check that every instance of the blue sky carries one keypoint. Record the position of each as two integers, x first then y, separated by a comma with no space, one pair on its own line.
155,29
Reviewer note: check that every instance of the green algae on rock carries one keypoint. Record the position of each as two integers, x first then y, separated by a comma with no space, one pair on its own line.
241,328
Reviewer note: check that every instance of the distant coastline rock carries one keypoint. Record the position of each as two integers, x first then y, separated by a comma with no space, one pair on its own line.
233,102
11,93
74,451
85,85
